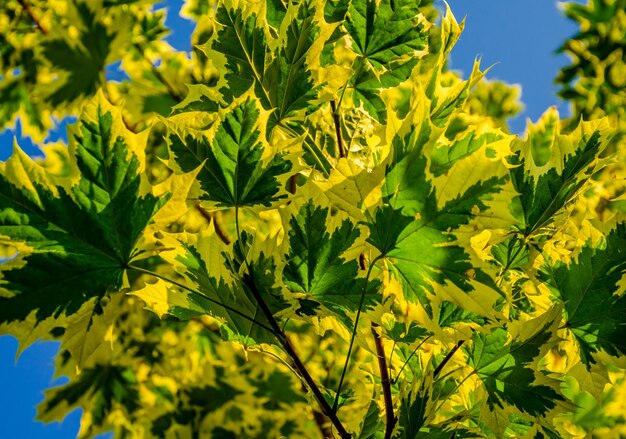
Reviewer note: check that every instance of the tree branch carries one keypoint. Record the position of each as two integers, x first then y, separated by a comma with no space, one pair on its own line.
299,366
333,106
32,16
390,418
447,358
322,424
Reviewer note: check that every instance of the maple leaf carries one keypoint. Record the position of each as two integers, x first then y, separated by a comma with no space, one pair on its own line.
552,167
388,38
79,62
232,172
315,265
505,367
594,301
276,68
318,196
412,231
208,289
85,230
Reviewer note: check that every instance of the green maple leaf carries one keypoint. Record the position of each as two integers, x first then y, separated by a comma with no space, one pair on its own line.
315,265
233,173
244,44
11,95
203,291
207,399
388,38
450,314
276,389
505,367
202,400
442,159
412,415
594,301
335,10
367,85
447,203
81,64
288,78
101,388
551,168
372,423
385,32
280,76
84,232
401,333
414,233
275,13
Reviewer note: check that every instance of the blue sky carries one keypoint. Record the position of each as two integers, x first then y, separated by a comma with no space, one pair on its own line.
521,36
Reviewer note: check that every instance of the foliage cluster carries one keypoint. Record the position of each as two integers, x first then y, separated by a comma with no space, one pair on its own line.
339,236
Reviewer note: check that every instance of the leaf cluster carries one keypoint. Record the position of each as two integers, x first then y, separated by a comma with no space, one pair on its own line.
336,235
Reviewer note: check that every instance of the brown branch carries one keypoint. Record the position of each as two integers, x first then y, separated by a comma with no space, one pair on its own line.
219,230
390,418
299,366
206,215
447,358
333,106
322,424
320,419
129,126
32,16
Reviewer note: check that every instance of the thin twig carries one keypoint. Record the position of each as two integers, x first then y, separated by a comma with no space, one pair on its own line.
447,358
248,280
390,418
354,330
286,364
408,359
333,106
322,424
299,366
32,16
